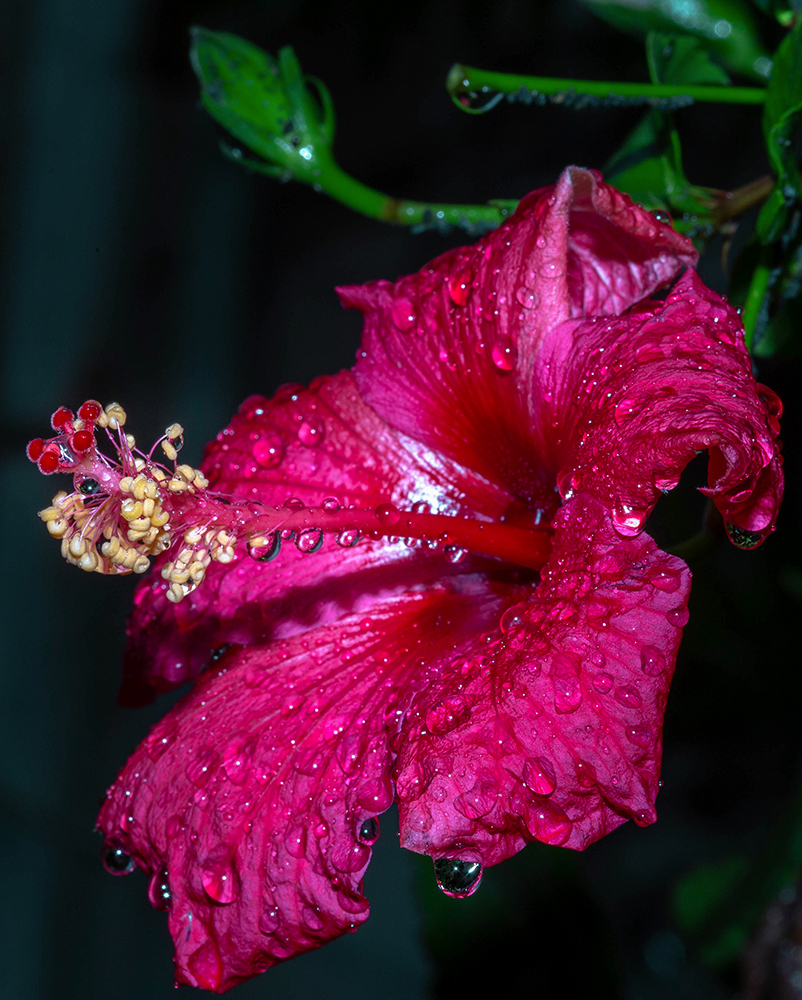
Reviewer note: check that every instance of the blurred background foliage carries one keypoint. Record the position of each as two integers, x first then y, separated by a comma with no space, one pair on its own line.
141,265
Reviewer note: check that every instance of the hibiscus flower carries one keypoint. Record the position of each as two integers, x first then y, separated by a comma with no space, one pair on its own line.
424,579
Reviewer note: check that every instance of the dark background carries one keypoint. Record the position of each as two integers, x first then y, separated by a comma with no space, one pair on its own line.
141,266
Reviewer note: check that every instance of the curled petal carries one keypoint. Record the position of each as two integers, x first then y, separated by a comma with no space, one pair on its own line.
639,396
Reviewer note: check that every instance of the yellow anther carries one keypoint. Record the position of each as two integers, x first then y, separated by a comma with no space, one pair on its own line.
174,431
193,536
131,440
186,472
111,547
177,486
160,517
140,524
169,450
50,514
148,507
131,509
77,546
200,480
115,416
89,562
126,484
141,564
57,528
158,474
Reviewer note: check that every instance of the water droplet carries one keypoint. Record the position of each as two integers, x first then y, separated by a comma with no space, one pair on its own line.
348,539
512,618
457,878
625,411
293,503
678,617
585,774
628,521
527,297
742,538
539,775
478,801
159,893
603,683
403,314
421,507
504,354
459,286
330,505
548,823
158,741
448,358
88,486
310,433
626,695
652,661
388,513
454,554
268,451
200,767
640,736
269,921
446,714
567,693
237,762
265,553
312,919
116,861
662,216
369,831
309,540
666,580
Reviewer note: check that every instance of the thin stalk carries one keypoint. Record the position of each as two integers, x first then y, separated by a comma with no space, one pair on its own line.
466,82
337,184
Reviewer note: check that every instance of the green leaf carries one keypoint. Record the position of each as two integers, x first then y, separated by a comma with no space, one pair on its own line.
681,59
781,115
783,10
265,105
726,28
648,166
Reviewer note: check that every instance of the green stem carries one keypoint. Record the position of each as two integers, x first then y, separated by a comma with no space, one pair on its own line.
754,297
361,198
466,83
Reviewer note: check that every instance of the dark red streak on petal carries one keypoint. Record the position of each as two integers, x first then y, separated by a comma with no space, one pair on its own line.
520,546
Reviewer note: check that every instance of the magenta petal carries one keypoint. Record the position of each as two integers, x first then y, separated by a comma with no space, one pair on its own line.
265,454
636,397
559,735
448,353
251,796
